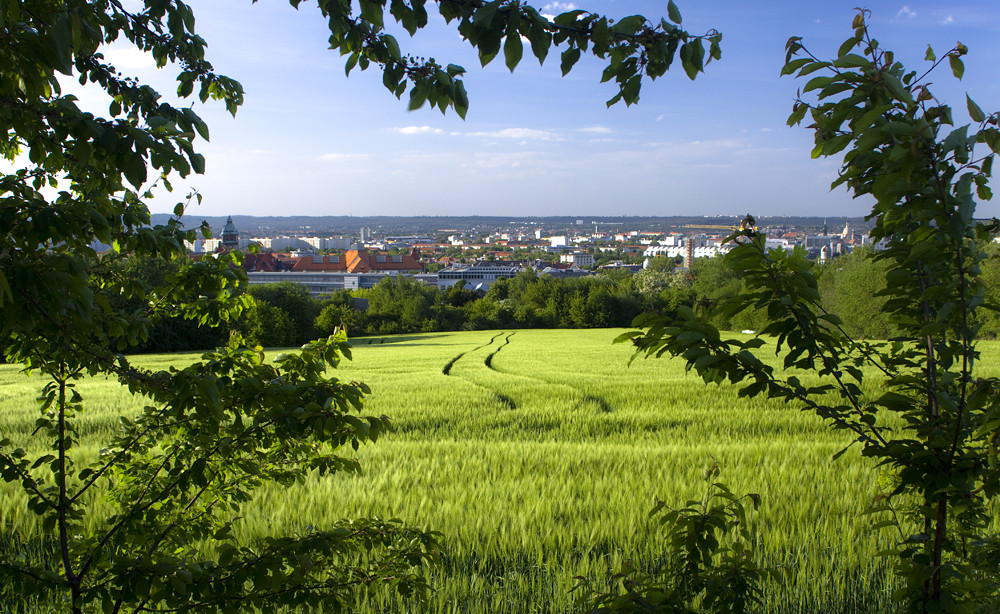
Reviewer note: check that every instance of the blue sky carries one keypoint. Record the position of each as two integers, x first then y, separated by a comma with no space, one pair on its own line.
310,141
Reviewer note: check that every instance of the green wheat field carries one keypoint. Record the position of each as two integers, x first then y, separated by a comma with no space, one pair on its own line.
538,455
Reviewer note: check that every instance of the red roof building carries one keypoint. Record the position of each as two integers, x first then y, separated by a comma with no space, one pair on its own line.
360,261
262,261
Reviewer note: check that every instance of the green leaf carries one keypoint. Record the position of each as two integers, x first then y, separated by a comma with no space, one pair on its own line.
818,82
975,112
392,46
418,96
792,46
512,50
541,41
202,128
992,138
673,13
798,112
847,45
352,61
692,58
957,67
813,67
833,89
629,25
852,60
483,16
135,170
372,12
794,65
569,58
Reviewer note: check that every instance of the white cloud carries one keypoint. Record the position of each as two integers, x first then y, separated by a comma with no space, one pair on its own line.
947,20
680,153
517,133
417,130
522,162
560,7
597,130
906,12
344,157
128,58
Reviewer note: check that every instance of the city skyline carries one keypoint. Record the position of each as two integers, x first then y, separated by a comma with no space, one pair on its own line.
310,141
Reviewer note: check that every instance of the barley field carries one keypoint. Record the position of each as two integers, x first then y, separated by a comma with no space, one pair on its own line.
538,453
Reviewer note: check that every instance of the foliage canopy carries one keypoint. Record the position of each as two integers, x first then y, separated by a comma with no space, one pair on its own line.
146,522
899,146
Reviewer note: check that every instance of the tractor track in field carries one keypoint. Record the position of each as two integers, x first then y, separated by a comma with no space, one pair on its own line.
501,398
489,358
447,368
600,402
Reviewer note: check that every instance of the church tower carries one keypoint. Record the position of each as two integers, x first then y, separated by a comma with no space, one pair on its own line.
230,236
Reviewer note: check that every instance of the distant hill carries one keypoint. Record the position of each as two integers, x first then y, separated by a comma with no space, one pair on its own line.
250,225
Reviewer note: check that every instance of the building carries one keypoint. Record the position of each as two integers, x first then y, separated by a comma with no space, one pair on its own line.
323,243
319,283
228,240
325,274
478,276
230,236
688,250
360,261
581,260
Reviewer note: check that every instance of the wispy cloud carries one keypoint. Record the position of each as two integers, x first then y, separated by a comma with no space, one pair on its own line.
497,161
561,7
417,130
596,130
906,11
516,133
550,10
345,157
948,20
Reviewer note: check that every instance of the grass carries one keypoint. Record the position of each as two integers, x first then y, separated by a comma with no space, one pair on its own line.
539,453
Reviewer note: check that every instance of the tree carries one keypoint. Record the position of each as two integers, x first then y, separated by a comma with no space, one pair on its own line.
339,313
634,47
266,325
713,283
458,295
297,304
175,476
849,287
899,147
662,264
167,334
990,319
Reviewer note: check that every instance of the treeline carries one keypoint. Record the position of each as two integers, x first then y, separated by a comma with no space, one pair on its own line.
285,314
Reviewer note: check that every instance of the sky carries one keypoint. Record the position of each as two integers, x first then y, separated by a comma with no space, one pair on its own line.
311,141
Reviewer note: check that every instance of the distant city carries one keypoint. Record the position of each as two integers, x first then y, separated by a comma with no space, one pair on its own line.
327,254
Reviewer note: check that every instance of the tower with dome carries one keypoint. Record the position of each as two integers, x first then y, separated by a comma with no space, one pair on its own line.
230,236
